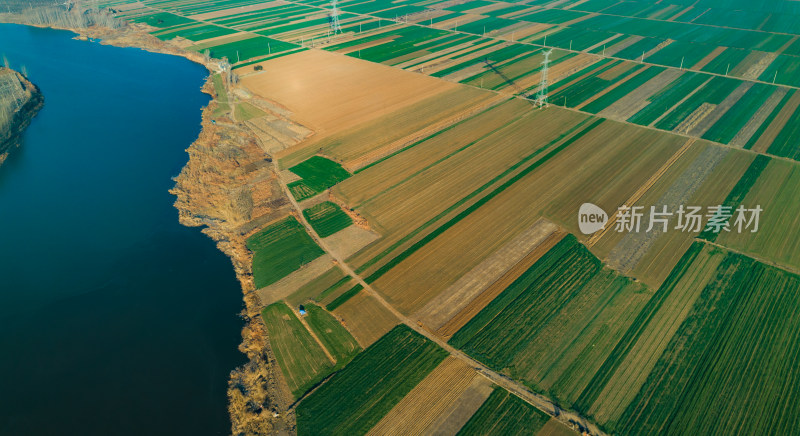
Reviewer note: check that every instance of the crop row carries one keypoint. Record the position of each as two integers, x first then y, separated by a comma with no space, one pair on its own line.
358,396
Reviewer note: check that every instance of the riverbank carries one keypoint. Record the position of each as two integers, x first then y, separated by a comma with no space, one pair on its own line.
20,101
229,187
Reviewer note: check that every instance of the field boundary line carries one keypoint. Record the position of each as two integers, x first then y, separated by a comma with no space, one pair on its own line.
541,402
641,191
787,268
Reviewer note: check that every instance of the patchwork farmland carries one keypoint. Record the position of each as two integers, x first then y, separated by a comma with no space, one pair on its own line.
432,276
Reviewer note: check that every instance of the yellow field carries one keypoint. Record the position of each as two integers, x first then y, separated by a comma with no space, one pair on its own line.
356,107
412,199
607,165
330,92
428,400
366,318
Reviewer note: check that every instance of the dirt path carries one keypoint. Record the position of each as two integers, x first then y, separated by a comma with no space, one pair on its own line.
539,401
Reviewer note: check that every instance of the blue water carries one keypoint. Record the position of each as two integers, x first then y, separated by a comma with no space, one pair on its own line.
114,318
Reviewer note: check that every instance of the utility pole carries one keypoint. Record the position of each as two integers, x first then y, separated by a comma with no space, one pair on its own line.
335,26
541,98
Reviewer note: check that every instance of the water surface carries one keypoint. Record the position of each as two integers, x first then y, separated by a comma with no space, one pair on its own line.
114,318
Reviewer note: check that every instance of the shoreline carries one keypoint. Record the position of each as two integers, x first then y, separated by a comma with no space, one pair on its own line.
257,395
20,120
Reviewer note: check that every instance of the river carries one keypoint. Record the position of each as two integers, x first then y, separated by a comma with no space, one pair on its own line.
114,318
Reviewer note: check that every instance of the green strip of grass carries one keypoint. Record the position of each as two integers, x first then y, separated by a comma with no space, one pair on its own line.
358,396
301,359
352,292
327,218
279,250
339,342
504,414
318,174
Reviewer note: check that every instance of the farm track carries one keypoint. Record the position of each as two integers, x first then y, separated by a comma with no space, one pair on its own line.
537,400
641,191
314,335
530,397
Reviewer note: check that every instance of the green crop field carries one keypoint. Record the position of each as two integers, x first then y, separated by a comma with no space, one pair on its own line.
557,323
787,144
301,359
336,289
318,174
336,339
714,92
669,96
726,61
162,20
679,54
784,70
622,90
358,396
552,16
579,92
740,114
731,366
242,50
327,218
280,249
601,396
504,414
197,33
768,121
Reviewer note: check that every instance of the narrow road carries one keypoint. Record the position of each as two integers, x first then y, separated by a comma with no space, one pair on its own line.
537,400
